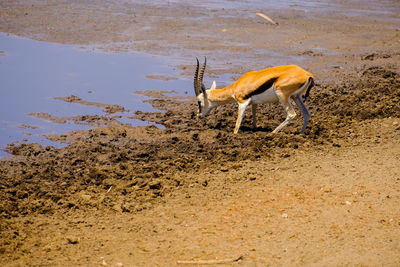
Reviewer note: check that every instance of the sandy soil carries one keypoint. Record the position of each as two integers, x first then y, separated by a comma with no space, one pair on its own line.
123,196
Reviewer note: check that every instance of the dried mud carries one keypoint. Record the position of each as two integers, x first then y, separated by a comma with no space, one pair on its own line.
154,180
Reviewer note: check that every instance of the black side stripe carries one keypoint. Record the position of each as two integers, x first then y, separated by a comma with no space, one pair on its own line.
264,87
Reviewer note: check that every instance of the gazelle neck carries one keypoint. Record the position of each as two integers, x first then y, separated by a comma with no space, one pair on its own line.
220,96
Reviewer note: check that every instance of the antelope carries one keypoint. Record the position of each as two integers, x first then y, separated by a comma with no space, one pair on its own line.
271,85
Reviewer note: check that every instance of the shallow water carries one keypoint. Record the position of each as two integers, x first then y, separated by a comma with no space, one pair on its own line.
32,72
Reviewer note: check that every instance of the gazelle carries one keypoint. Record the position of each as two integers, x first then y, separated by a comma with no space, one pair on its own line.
276,84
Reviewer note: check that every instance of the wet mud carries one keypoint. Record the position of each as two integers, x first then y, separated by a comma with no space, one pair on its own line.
140,164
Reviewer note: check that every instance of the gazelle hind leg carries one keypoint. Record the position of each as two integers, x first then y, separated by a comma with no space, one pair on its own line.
304,110
241,110
291,114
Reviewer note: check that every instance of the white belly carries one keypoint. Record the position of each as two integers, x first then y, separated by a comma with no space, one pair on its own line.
268,96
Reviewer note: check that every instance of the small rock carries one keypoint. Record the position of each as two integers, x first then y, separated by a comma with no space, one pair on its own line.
285,215
73,240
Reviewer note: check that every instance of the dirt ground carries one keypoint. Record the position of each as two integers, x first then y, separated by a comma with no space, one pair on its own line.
124,196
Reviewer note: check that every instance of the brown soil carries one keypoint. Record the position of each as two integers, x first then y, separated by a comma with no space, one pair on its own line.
144,196
107,108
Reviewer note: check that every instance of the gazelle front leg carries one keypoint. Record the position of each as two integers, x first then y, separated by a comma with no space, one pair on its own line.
241,110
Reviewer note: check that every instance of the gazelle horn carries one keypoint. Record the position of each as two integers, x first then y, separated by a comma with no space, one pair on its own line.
201,85
196,79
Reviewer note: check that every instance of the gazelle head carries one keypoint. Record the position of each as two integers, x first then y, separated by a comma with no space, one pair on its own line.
204,104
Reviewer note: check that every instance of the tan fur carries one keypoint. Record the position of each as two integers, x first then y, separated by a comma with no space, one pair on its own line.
286,81
289,79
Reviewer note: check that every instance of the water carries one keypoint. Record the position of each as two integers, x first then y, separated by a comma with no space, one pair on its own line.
32,72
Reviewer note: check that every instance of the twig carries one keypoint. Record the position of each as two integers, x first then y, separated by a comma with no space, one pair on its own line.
109,189
267,18
212,261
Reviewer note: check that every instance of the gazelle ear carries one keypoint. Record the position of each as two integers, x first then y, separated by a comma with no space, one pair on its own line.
213,86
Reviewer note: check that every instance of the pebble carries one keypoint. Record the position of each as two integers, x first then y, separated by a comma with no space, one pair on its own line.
73,240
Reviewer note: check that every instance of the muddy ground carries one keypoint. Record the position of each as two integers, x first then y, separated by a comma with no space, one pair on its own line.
124,196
